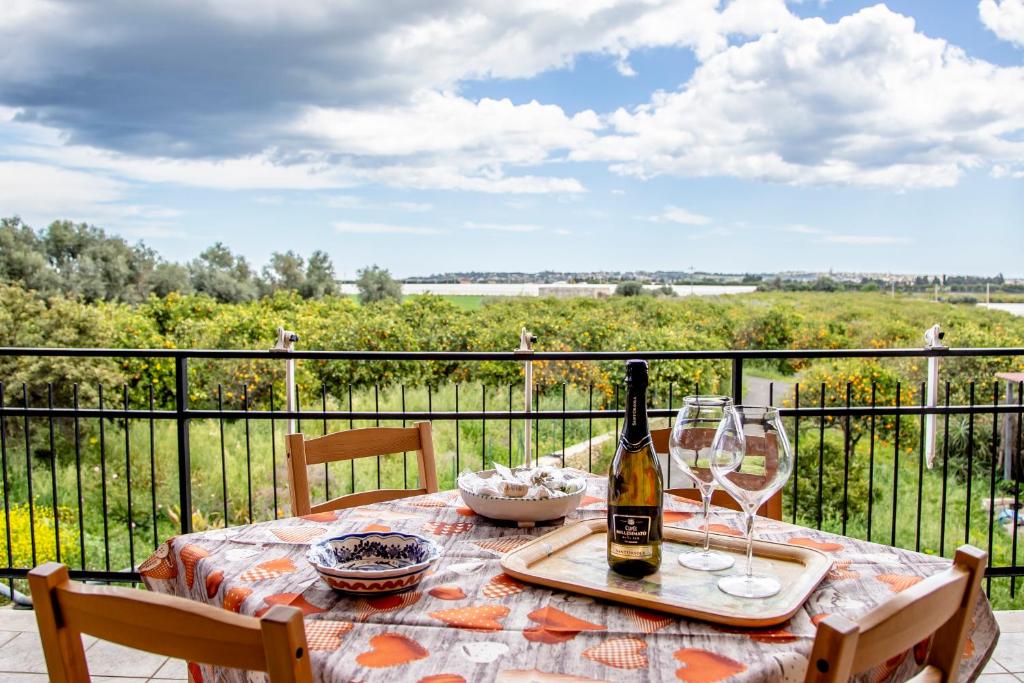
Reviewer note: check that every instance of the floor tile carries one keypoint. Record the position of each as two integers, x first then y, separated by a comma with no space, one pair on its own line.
997,678
118,679
993,667
17,619
173,669
1011,622
108,659
23,653
1009,652
7,677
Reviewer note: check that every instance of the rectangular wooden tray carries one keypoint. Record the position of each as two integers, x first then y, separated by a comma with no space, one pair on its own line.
573,558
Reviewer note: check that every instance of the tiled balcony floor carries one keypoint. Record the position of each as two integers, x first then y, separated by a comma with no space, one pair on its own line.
21,658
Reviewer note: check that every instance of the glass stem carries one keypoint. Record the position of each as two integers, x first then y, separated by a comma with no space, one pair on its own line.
706,497
750,544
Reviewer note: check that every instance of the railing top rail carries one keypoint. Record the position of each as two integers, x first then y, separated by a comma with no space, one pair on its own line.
721,354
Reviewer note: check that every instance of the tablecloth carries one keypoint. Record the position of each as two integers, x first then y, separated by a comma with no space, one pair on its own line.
467,621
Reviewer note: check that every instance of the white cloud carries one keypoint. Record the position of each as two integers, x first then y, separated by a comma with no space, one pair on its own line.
864,101
1005,18
675,214
865,240
501,227
383,229
802,229
413,207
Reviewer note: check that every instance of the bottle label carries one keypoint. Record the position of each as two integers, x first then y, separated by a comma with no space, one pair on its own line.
633,552
631,530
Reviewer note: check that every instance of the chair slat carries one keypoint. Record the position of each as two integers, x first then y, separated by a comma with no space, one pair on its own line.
365,498
361,443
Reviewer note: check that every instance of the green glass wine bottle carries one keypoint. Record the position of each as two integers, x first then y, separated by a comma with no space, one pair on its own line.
635,499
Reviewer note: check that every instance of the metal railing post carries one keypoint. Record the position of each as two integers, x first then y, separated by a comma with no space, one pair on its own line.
184,458
737,380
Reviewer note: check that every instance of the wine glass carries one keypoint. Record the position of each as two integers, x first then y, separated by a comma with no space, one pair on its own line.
751,459
690,445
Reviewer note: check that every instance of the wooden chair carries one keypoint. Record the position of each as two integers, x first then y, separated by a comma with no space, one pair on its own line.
771,509
941,604
174,627
358,443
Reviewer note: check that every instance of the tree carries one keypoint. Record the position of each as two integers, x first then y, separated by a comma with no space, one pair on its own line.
169,277
22,260
630,288
222,275
285,271
376,284
320,278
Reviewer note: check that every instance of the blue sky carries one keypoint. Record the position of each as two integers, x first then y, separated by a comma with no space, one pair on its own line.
752,135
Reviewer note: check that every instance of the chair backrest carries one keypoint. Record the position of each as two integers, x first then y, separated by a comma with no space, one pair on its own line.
358,443
173,627
772,508
941,604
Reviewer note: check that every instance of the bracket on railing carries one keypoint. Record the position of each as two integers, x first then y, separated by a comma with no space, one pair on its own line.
285,344
526,341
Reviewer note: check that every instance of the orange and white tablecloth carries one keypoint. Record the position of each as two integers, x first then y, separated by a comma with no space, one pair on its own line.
468,622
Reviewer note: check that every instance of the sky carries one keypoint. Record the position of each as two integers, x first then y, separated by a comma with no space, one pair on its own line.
458,135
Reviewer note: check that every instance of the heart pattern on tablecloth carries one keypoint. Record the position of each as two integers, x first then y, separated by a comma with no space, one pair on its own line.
899,582
823,546
161,564
722,529
447,528
391,649
555,626
290,599
503,544
841,571
329,516
442,678
325,634
386,603
447,593
626,652
476,618
213,582
648,622
503,586
268,570
190,556
702,666
299,534
234,597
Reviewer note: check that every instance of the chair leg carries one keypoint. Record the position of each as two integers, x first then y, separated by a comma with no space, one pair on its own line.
62,648
832,655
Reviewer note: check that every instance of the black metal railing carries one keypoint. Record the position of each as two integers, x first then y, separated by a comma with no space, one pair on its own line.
99,485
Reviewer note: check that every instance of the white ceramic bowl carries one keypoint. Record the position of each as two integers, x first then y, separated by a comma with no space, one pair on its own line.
375,562
522,510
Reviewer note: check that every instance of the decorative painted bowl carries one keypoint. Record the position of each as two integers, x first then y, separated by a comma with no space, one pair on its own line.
525,511
376,562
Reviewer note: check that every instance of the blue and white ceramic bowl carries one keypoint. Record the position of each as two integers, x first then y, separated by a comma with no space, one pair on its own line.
376,562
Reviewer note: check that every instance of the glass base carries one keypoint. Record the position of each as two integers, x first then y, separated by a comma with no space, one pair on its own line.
710,561
749,587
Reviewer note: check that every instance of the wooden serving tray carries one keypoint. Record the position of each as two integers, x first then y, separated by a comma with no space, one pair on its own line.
574,559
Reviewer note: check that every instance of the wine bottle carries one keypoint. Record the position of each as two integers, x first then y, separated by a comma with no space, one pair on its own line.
634,487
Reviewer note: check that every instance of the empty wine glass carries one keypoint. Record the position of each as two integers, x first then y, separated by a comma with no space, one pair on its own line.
751,459
690,446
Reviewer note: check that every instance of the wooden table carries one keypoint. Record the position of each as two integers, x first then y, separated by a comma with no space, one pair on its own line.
469,622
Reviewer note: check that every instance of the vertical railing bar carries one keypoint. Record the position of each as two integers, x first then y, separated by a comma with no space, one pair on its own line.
458,429
920,471
970,464
871,459
846,460
895,467
590,430
945,477
28,470
668,458
771,393
223,457
405,455
376,410
248,450
536,424
510,390
351,424
273,450
103,484
796,450
181,401
78,475
616,408
323,431
128,477
1016,469
152,469
483,427
563,423
821,456
53,472
992,481
7,486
